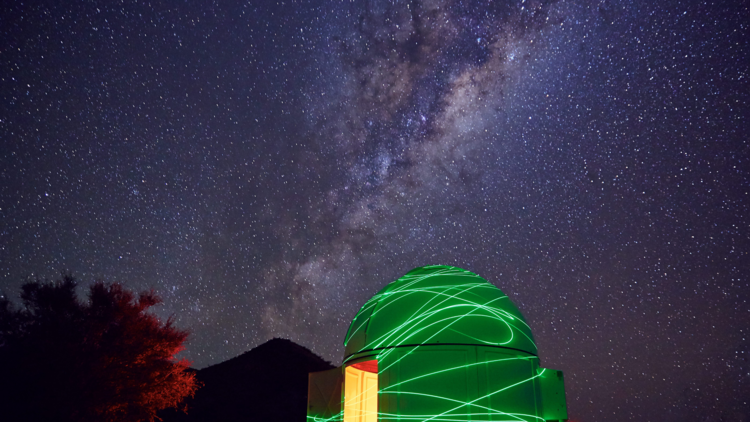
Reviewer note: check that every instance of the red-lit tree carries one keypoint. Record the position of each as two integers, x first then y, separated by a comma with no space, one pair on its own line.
106,359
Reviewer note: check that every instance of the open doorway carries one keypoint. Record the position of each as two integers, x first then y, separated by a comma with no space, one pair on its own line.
361,392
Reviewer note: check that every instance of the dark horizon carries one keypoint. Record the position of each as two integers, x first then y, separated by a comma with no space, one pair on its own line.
268,167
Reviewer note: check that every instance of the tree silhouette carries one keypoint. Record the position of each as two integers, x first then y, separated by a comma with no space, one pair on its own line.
105,359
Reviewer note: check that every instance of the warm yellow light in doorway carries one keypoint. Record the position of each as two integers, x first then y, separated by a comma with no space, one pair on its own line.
360,395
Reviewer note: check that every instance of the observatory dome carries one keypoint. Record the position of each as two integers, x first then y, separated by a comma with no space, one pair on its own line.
439,305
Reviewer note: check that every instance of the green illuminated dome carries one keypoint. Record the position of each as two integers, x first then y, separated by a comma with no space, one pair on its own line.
439,305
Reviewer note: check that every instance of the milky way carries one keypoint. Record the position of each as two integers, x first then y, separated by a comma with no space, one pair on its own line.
267,167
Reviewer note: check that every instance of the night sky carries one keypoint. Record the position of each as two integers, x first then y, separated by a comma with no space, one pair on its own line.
268,166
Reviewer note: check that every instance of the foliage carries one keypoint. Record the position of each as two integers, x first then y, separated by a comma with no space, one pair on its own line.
105,359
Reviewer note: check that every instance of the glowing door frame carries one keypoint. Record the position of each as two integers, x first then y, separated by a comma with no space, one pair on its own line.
361,392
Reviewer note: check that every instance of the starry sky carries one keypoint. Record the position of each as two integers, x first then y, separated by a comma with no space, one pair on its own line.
268,166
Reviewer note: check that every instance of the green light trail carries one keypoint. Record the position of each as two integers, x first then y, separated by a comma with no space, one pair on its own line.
453,369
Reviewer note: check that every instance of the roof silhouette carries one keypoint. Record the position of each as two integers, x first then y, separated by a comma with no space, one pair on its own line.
267,383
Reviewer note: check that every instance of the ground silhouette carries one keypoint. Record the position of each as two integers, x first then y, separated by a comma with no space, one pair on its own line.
267,383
